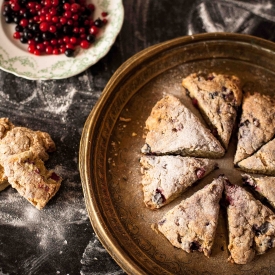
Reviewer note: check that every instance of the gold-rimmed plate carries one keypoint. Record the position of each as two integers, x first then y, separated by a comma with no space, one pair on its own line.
113,135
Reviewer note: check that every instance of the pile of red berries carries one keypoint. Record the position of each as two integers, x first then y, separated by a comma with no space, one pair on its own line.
53,26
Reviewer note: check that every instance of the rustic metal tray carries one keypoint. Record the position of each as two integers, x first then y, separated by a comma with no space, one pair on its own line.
113,135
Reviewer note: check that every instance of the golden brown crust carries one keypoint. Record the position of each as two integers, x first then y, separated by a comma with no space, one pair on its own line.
174,129
22,156
5,126
251,225
164,178
265,186
28,175
22,139
262,162
218,97
257,125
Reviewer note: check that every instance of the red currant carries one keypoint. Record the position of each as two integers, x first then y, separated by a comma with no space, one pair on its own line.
15,7
40,47
73,40
63,20
53,42
24,22
52,28
93,30
75,7
31,48
37,52
55,19
55,2
67,6
68,14
44,26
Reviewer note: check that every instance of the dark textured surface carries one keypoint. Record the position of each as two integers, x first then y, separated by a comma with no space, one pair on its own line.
60,239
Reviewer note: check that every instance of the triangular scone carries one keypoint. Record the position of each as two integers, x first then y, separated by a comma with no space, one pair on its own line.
28,175
251,225
218,97
257,125
164,178
173,129
192,224
265,186
262,162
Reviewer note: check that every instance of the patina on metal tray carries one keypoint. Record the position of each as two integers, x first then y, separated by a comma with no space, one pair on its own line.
113,135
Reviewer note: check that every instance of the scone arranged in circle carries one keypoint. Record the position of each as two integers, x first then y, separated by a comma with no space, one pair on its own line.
192,224
265,186
174,129
218,97
22,155
251,225
262,162
164,178
257,124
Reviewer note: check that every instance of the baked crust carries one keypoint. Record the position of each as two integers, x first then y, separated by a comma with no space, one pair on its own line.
28,175
262,162
257,124
265,186
164,178
22,139
251,225
192,224
174,129
218,97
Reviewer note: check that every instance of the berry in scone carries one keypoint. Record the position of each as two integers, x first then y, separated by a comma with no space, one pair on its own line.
174,129
265,186
262,162
192,224
251,225
218,97
164,178
257,124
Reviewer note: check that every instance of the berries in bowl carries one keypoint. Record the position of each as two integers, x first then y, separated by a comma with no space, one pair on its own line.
53,27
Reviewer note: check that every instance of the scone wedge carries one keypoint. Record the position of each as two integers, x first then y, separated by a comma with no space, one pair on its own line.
174,129
265,186
262,162
28,175
251,225
164,178
218,97
257,124
22,155
192,224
